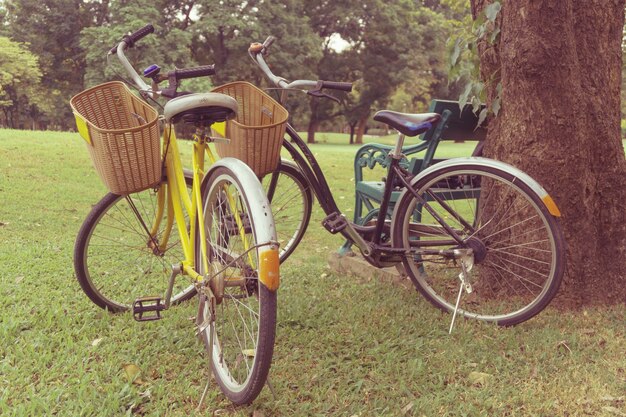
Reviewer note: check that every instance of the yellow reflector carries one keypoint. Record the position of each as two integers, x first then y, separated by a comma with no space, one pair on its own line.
219,128
81,124
551,205
269,273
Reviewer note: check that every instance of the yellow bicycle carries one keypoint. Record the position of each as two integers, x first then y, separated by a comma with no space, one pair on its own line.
127,256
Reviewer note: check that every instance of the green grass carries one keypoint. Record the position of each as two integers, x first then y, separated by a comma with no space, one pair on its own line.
345,346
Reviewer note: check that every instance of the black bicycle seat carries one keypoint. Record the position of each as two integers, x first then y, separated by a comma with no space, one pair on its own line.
409,124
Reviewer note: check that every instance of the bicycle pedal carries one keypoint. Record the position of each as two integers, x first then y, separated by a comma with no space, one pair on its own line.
335,223
148,309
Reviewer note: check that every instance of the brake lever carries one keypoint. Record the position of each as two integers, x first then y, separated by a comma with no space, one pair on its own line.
317,92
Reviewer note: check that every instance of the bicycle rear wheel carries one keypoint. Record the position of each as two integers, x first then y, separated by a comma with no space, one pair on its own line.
239,337
115,260
291,198
517,247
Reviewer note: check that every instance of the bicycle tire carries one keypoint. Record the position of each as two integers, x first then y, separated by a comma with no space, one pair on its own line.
244,329
111,244
518,246
291,198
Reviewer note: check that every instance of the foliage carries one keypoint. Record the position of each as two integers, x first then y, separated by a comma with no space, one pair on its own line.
464,59
169,47
393,48
52,31
20,78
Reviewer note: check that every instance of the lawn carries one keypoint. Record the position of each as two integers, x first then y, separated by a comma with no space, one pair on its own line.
345,346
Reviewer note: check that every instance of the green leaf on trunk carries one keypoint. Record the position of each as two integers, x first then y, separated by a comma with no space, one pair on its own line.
492,11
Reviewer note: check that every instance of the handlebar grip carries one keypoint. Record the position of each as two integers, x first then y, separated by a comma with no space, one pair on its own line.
141,33
269,41
333,85
134,37
194,72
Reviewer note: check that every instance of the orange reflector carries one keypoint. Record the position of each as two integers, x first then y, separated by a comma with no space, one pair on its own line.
269,273
551,205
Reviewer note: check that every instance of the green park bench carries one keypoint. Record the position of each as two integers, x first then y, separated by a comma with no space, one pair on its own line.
455,125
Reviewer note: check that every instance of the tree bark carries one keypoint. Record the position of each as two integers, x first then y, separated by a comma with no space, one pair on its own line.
360,129
352,131
310,134
559,63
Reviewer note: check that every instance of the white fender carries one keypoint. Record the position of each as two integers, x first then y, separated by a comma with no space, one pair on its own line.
262,214
519,175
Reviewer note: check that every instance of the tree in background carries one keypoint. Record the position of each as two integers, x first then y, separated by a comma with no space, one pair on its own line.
20,83
168,47
393,49
52,31
559,67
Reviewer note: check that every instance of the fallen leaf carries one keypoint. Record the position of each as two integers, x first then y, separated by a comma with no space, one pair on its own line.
258,413
4,224
479,378
614,411
19,279
132,373
324,275
563,343
96,342
407,408
613,399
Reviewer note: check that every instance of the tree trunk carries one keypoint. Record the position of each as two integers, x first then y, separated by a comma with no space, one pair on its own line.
352,129
360,129
310,134
314,120
560,68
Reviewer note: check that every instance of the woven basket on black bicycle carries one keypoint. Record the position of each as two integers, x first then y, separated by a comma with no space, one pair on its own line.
256,135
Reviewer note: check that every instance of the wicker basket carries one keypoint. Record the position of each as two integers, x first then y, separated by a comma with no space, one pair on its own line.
122,136
256,135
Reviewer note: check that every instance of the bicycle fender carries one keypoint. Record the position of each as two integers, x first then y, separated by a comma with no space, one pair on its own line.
518,174
261,211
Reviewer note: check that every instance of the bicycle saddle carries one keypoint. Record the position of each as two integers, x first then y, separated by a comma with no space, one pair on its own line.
200,108
409,124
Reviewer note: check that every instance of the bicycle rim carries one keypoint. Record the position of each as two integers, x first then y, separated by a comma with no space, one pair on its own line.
245,319
291,198
517,246
115,259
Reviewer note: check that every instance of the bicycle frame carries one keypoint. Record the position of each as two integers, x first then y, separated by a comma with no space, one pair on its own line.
312,171
176,199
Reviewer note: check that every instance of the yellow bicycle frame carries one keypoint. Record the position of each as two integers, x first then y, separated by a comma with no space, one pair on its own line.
176,200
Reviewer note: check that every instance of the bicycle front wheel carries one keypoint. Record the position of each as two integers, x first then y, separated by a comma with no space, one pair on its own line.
117,261
291,198
512,247
239,335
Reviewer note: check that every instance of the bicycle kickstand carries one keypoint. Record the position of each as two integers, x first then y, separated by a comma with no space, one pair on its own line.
467,262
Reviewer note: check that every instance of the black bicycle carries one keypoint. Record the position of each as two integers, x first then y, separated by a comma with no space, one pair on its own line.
477,237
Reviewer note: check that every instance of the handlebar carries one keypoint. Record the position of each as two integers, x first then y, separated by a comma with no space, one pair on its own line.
128,41
258,50
183,73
